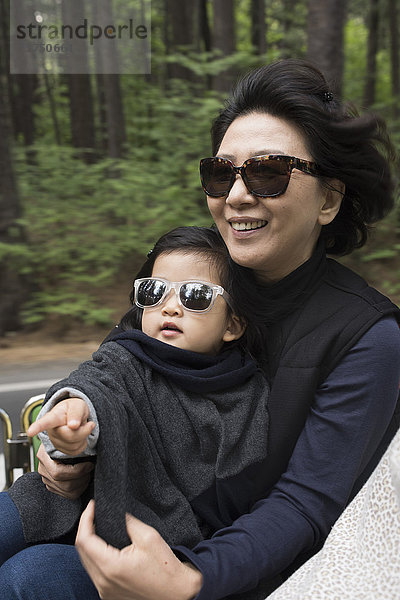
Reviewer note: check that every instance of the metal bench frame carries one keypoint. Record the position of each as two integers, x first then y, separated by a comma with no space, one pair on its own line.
20,452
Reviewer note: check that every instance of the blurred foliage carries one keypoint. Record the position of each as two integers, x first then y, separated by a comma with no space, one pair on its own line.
83,220
380,259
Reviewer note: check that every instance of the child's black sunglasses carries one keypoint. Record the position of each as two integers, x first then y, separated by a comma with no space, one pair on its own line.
265,176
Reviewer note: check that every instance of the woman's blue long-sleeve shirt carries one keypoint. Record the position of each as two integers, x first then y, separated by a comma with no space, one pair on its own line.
348,418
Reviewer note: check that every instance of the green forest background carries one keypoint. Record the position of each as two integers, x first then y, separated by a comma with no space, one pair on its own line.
94,168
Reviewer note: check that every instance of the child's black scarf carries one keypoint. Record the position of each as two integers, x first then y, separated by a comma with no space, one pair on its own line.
191,370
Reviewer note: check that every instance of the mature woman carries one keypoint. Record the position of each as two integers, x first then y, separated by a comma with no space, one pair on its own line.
293,176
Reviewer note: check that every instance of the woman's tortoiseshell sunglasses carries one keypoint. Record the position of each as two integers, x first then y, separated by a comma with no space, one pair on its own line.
265,176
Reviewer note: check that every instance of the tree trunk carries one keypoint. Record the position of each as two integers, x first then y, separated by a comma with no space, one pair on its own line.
372,49
53,108
5,57
224,40
116,135
394,55
25,97
102,113
288,7
205,33
325,39
23,86
107,65
258,27
79,87
81,111
11,285
180,34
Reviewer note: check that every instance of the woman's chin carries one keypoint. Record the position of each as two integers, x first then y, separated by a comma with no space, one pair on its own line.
249,259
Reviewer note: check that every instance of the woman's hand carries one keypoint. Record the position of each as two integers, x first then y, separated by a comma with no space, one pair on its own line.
69,481
145,570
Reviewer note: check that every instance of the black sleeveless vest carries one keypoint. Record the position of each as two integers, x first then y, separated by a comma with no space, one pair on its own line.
306,345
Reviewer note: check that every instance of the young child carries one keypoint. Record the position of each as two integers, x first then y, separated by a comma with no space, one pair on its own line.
177,410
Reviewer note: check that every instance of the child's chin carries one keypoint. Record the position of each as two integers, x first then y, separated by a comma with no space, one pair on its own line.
176,341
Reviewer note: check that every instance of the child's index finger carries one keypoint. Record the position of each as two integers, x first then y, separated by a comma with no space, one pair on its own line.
48,421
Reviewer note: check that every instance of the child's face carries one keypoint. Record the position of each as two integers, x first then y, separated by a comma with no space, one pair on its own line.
169,322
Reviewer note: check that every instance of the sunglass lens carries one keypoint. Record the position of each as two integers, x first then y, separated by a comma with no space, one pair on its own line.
150,292
196,296
267,177
216,176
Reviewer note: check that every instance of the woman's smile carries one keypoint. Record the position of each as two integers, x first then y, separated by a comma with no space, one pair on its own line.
247,225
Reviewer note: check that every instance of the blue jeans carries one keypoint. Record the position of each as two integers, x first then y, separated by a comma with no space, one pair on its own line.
42,572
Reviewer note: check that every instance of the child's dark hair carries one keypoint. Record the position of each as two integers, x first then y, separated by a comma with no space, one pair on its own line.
207,243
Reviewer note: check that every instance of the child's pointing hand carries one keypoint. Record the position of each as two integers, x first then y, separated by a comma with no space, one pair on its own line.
67,426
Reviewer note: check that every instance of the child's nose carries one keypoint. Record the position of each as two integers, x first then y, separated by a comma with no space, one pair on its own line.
171,305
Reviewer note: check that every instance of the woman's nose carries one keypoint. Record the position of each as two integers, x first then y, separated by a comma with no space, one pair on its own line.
171,305
239,194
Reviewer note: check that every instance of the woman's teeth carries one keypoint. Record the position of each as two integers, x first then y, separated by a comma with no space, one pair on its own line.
249,225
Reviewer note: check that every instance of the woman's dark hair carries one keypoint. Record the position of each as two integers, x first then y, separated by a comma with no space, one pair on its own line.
207,243
354,149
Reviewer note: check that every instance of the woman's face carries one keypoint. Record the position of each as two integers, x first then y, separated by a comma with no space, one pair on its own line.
284,230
